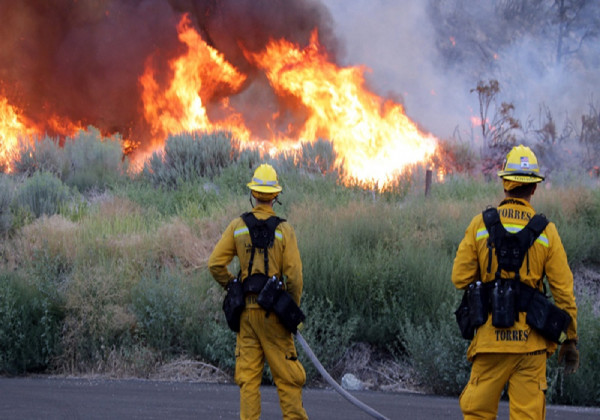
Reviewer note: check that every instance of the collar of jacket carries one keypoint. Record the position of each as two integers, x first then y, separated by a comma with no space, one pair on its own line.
517,201
264,209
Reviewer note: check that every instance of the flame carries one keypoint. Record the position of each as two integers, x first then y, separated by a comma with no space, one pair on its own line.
12,130
373,138
197,76
15,131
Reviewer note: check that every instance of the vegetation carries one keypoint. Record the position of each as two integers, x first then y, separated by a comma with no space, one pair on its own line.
114,281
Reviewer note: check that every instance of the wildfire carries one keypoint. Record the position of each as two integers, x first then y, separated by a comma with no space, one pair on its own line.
197,77
374,138
314,99
12,130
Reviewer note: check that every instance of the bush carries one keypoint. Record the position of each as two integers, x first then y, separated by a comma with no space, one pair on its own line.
374,262
29,326
41,155
188,157
583,387
438,353
165,306
328,331
6,198
95,162
42,194
191,198
317,157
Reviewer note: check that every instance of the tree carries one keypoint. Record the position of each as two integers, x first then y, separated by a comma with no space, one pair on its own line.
498,125
576,21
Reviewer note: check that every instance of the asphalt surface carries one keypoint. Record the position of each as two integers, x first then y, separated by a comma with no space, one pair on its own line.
33,398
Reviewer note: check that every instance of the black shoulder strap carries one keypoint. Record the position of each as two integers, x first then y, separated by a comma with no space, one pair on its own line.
262,235
525,237
536,226
491,218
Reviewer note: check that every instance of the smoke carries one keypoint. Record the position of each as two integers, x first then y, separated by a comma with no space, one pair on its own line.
81,60
400,42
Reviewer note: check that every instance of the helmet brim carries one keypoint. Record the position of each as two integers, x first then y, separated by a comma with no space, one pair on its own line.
524,178
264,188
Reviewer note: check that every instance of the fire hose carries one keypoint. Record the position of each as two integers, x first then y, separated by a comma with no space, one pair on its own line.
333,383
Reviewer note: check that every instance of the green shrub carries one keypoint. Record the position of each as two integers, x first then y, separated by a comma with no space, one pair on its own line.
583,387
234,178
576,213
438,353
188,157
43,155
165,305
461,187
95,162
372,263
214,341
42,194
7,191
328,331
29,326
318,157
190,198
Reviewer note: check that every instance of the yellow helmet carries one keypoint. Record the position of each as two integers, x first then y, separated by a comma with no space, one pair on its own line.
265,180
521,165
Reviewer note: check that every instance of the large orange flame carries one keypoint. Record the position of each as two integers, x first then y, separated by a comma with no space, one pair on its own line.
197,76
12,129
374,138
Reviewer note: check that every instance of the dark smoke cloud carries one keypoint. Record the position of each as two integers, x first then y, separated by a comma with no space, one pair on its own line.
81,59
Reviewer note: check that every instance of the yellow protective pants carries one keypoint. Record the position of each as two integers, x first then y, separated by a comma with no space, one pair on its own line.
526,377
261,338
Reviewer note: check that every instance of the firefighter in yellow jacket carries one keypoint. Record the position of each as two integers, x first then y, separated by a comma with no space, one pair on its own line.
262,336
515,355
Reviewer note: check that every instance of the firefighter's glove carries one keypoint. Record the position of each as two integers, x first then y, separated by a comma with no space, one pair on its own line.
570,355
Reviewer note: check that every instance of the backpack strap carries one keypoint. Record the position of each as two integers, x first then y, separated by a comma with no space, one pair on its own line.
536,226
491,218
526,236
262,235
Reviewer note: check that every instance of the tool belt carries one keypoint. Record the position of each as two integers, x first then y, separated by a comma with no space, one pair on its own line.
271,297
504,299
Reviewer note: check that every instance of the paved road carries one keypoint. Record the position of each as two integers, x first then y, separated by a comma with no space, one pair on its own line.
64,399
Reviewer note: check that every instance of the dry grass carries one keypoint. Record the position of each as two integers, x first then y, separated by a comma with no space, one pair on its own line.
176,243
587,283
55,234
376,370
185,370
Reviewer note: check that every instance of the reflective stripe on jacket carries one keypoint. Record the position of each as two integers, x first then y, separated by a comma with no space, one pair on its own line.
547,255
284,256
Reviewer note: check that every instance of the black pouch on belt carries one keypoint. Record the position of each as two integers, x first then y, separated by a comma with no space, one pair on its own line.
478,303
547,319
288,312
234,304
269,294
463,319
504,303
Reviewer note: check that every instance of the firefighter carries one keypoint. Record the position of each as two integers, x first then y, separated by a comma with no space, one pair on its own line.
261,336
515,355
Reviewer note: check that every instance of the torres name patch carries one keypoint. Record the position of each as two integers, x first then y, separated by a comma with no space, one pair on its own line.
512,335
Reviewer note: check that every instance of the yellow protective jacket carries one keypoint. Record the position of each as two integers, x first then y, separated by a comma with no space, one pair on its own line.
546,256
284,256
